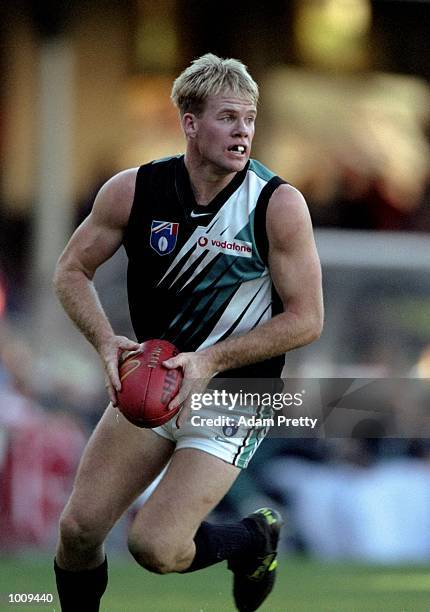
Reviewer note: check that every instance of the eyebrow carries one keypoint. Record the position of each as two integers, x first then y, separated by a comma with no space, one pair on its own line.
229,109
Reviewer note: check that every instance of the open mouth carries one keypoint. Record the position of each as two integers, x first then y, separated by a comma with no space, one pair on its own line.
238,148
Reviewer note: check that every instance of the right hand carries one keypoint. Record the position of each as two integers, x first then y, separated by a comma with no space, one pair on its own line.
110,352
198,368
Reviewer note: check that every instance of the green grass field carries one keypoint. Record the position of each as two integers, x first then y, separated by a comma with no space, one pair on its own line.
303,586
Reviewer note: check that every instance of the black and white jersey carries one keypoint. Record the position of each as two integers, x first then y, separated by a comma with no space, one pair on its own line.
198,274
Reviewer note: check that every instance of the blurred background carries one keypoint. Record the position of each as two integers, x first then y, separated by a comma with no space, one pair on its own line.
344,116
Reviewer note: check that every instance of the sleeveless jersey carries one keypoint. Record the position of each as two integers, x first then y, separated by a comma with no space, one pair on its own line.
198,274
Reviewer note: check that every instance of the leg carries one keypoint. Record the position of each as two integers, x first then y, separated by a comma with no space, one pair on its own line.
119,462
168,535
162,535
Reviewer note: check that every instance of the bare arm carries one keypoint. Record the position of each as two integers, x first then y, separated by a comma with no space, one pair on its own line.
296,273
95,241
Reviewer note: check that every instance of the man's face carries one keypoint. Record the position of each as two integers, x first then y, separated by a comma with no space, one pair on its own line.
223,132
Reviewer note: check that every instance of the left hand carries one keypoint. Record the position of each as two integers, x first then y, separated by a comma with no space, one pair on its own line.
198,369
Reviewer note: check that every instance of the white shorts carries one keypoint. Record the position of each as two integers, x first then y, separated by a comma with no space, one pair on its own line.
233,436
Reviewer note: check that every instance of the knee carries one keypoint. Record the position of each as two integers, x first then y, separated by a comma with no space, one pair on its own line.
154,553
78,531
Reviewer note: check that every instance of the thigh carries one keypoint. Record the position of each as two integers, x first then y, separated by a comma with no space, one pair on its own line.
119,462
192,486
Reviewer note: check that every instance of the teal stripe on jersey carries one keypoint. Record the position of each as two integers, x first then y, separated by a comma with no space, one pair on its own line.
248,234
204,314
237,320
195,300
260,170
211,296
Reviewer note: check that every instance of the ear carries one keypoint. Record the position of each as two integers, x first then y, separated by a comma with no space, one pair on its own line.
189,125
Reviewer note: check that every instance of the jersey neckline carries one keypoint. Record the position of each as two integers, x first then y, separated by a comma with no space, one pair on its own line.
197,212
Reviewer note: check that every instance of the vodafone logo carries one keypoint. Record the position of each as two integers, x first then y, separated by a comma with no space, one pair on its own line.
240,248
236,245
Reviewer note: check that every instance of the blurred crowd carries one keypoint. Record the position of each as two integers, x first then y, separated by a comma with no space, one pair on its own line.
357,499
39,448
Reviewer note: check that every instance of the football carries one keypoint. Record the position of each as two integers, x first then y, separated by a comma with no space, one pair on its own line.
147,386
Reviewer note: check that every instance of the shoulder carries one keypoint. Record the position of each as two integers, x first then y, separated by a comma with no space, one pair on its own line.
288,199
288,214
121,186
115,198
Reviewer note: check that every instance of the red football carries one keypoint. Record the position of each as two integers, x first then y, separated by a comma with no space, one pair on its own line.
147,386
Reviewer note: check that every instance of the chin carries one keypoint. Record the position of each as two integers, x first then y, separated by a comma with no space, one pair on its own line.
236,165
240,165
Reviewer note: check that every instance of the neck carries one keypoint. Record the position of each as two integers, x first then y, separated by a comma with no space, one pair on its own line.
206,182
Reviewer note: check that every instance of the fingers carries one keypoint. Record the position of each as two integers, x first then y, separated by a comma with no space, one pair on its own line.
183,394
112,354
113,374
175,362
197,373
182,416
126,354
124,344
189,387
111,391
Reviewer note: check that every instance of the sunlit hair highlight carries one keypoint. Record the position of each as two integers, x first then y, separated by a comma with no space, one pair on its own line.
207,76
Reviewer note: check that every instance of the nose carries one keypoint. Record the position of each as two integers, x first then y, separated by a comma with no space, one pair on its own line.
241,128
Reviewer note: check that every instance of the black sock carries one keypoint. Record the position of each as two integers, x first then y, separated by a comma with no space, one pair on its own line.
81,590
215,543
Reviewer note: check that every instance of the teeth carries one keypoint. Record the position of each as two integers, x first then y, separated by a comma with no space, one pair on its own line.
238,148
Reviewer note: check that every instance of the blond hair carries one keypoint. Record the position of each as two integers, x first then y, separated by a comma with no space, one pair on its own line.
207,76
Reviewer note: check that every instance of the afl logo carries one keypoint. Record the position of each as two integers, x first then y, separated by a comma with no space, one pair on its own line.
202,241
164,235
230,430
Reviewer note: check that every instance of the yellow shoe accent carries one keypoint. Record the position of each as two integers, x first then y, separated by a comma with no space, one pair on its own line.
268,516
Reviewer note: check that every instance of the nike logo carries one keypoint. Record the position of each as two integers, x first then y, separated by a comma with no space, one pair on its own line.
194,214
